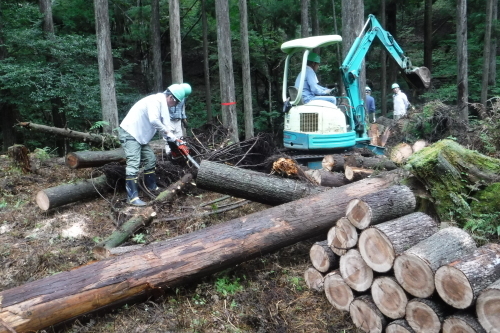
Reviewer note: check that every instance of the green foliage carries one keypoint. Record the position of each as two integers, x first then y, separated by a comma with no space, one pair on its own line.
139,238
484,226
227,286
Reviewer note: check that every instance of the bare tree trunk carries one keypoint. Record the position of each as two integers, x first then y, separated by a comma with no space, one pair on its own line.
156,46
462,62
206,67
492,76
48,23
383,66
304,18
106,70
486,52
428,34
175,41
225,56
315,18
246,77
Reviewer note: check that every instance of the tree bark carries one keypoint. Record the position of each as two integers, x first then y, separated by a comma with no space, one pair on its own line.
314,279
68,193
342,237
327,178
206,65
425,315
375,208
486,51
460,282
156,46
66,295
338,293
334,163
488,306
355,271
93,159
94,138
245,69
414,269
304,18
175,41
380,244
462,62
389,297
462,322
366,316
376,163
353,174
322,257
399,326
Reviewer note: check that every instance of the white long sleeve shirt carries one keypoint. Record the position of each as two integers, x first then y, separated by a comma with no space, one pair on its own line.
401,103
148,115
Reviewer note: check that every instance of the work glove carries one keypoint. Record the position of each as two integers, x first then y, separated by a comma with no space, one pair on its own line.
169,137
185,122
183,148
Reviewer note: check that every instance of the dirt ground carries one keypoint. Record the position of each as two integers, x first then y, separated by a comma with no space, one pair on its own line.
267,294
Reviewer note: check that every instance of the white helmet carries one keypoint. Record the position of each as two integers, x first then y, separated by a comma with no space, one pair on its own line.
394,85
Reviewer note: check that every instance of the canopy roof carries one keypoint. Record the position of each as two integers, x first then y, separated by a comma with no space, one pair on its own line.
310,43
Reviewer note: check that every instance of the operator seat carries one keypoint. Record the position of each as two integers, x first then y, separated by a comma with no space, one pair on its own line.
292,91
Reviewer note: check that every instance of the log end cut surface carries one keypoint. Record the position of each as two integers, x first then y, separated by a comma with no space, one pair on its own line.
458,325
42,200
414,275
389,297
376,249
399,326
355,271
454,287
422,317
359,214
314,279
488,309
338,293
365,317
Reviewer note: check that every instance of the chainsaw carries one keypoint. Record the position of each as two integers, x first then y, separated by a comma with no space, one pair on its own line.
180,149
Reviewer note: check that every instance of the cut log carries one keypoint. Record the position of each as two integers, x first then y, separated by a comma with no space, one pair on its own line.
334,163
66,132
68,193
462,323
252,185
389,297
425,315
93,159
366,316
355,271
400,153
342,237
56,298
327,178
354,174
173,189
380,244
419,145
314,279
379,162
488,307
391,203
414,269
338,293
399,326
374,134
460,282
323,258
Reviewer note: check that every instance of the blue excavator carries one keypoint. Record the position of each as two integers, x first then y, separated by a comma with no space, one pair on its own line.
321,126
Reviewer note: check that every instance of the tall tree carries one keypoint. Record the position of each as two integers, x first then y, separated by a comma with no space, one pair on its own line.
492,76
486,52
315,18
383,66
106,69
175,41
428,34
304,18
462,61
206,67
245,67
228,99
156,46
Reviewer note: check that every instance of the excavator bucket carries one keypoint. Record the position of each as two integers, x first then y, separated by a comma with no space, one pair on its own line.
419,77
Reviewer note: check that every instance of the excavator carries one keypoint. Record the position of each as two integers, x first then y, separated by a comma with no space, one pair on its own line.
320,126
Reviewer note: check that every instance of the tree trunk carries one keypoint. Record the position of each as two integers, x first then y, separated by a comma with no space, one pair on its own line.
334,163
342,237
460,282
304,18
492,76
399,326
206,65
156,46
66,295
414,269
380,244
462,322
353,174
106,70
428,34
366,316
425,315
94,138
68,193
245,69
175,41
486,51
94,159
487,307
377,162
355,271
389,297
462,62
338,293
322,257
383,67
314,279
327,179
372,209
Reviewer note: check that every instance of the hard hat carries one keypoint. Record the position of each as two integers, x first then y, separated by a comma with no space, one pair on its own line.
187,89
314,57
394,85
177,91
368,88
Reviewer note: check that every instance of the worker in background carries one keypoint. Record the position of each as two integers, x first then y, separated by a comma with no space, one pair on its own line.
370,104
144,119
400,101
178,116
312,90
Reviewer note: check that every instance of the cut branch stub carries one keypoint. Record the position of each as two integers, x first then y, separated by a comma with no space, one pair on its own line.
382,206
488,307
389,297
338,293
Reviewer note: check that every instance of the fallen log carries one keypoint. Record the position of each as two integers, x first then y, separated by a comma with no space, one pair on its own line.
366,316
333,163
68,193
460,282
415,268
252,185
342,237
389,297
380,244
462,322
488,307
314,279
169,263
355,271
379,162
327,178
66,132
337,292
322,257
399,326
94,159
425,315
353,174
379,207
173,189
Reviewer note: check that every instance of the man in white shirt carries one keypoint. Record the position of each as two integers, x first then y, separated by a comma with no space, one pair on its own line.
400,102
139,126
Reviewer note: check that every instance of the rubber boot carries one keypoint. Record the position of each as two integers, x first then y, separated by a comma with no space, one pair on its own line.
133,192
374,118
150,180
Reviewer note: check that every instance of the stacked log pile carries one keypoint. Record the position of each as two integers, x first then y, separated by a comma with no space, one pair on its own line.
394,270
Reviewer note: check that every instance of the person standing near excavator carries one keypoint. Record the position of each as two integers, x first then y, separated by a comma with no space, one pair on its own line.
370,104
400,101
312,90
